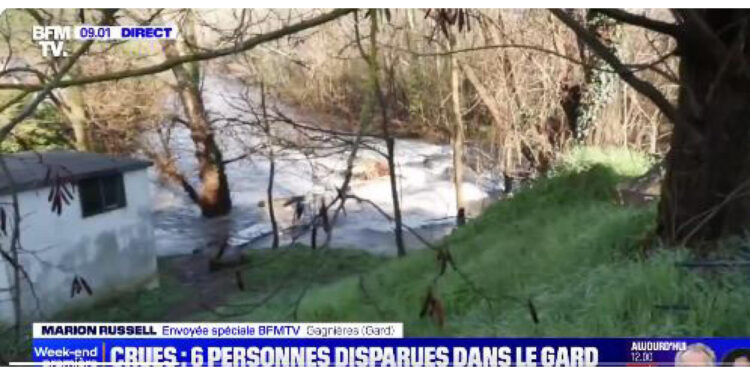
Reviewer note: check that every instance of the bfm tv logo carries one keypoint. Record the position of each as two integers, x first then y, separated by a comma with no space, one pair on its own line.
52,39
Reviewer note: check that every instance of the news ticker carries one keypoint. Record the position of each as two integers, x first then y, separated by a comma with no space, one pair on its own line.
348,344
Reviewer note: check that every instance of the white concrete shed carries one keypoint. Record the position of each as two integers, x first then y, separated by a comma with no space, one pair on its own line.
99,243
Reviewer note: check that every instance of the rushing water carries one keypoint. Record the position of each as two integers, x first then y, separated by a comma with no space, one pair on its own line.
424,170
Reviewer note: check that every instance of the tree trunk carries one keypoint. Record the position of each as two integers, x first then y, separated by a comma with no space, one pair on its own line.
398,220
271,213
704,195
385,128
14,260
458,139
74,111
213,197
705,191
271,170
600,85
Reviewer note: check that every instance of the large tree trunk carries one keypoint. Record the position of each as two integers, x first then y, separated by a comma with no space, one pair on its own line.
213,197
705,192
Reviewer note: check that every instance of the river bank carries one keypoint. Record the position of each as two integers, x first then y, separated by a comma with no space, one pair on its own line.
564,246
564,249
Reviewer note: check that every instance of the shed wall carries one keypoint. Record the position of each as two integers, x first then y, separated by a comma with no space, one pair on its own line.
113,251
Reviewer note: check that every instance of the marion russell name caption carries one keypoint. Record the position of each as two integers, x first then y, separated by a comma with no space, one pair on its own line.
218,330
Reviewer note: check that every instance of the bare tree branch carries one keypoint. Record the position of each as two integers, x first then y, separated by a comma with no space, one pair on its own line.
635,67
639,85
172,62
52,84
670,29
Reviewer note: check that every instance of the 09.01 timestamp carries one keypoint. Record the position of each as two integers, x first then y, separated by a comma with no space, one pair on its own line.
93,32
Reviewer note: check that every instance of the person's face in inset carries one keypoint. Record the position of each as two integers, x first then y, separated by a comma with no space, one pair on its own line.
695,358
741,362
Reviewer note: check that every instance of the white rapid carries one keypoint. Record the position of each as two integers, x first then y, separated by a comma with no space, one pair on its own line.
424,170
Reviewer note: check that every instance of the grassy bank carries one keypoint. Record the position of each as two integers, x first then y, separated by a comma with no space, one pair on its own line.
563,244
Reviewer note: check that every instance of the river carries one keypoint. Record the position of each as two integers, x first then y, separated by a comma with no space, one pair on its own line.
423,169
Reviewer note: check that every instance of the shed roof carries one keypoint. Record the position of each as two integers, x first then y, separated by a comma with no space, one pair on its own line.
34,170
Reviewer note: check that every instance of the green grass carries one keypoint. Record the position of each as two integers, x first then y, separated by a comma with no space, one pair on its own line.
622,161
562,243
276,279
